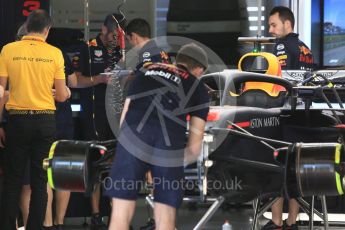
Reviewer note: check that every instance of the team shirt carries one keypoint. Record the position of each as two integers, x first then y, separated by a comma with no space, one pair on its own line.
151,53
93,60
31,66
293,53
164,94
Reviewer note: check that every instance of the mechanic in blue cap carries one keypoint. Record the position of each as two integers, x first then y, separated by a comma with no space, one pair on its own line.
153,136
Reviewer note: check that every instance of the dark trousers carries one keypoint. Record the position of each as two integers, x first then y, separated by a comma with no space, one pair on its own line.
28,137
99,124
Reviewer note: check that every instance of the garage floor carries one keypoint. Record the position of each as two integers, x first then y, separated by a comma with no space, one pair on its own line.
240,217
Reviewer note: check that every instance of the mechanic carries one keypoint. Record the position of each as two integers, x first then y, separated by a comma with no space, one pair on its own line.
138,34
96,57
65,131
292,54
152,136
32,67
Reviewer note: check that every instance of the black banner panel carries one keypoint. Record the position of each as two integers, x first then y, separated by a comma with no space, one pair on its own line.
12,15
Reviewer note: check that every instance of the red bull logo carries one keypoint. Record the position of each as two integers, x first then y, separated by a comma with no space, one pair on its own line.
93,42
306,59
304,50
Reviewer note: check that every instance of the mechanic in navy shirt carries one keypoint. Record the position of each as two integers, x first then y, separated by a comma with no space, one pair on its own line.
291,52
95,59
138,33
153,136
146,51
98,56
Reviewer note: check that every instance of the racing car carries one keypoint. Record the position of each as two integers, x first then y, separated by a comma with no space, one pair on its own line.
268,142
265,136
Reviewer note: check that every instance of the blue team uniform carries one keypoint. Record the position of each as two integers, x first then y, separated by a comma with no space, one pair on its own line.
153,134
94,59
151,53
293,53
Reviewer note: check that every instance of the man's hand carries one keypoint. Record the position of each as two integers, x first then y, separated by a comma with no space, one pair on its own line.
104,78
89,81
68,92
54,93
195,137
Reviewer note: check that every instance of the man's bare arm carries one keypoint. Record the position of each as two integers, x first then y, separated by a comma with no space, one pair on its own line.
124,111
72,80
195,137
62,93
84,82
